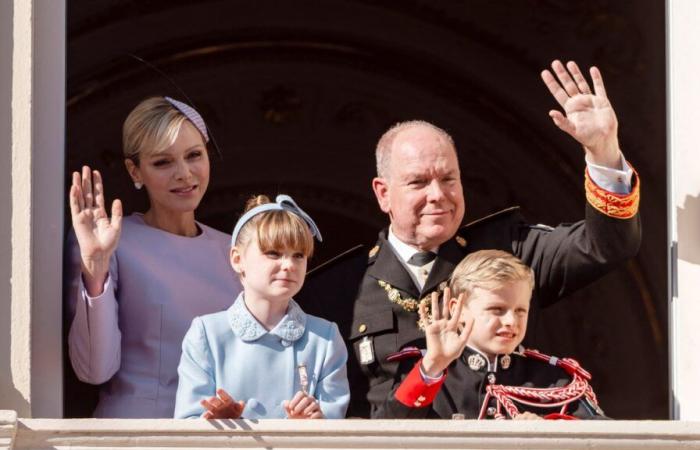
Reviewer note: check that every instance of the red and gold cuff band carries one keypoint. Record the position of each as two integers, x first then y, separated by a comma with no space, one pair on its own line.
618,206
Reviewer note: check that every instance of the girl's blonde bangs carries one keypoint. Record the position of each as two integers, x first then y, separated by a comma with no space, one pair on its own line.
281,230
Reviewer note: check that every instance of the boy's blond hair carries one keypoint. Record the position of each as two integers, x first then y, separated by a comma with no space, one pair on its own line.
488,269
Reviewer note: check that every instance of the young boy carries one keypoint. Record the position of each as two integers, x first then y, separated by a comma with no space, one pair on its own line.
474,365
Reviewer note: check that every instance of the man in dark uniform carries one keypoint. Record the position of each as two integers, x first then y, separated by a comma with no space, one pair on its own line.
373,294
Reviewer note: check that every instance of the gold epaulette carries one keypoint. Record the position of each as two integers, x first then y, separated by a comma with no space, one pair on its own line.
618,206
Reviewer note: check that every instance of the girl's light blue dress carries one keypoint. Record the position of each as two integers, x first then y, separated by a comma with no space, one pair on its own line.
231,350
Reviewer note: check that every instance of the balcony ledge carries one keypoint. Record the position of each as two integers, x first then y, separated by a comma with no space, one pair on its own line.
18,433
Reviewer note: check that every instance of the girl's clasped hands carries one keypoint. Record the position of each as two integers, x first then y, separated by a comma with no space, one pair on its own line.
223,406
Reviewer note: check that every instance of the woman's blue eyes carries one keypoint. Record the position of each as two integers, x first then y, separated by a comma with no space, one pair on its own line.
190,156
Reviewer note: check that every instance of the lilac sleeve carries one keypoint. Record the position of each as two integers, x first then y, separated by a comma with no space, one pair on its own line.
94,339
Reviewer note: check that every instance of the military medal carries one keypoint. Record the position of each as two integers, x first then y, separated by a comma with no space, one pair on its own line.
366,348
303,378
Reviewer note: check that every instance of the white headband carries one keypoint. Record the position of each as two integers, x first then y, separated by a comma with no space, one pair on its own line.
282,203
192,115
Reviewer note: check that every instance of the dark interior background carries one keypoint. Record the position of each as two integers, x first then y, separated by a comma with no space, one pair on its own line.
297,93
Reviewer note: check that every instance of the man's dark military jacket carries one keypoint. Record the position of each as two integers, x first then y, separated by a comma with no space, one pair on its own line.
346,290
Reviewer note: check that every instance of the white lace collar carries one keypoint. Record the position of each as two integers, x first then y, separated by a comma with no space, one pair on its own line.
245,326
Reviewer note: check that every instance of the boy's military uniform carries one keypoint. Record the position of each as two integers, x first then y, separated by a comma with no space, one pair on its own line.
374,301
477,390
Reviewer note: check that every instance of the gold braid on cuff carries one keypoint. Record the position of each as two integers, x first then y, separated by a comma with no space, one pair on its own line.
618,206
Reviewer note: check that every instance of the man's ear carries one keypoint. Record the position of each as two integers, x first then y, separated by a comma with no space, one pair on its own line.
380,186
235,259
133,170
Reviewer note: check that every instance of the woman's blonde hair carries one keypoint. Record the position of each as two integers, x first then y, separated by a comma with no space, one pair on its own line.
275,230
151,127
488,269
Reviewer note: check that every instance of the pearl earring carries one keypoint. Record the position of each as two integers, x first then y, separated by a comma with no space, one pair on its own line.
138,185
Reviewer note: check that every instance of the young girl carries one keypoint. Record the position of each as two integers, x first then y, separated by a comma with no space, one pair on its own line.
264,357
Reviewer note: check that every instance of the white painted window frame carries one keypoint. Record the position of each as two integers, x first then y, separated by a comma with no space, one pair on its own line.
38,102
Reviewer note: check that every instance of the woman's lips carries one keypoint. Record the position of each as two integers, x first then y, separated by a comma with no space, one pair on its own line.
184,191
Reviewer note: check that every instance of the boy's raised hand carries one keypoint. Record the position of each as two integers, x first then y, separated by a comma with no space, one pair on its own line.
222,406
445,340
303,406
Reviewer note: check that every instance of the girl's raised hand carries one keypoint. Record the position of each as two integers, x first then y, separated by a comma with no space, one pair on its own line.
222,406
303,406
97,235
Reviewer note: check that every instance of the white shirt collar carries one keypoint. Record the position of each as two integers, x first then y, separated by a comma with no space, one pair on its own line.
245,326
403,250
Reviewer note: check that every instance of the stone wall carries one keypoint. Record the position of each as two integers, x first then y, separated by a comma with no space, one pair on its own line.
165,434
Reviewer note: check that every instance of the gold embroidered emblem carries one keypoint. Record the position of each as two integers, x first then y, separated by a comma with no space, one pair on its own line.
505,361
461,241
373,251
410,304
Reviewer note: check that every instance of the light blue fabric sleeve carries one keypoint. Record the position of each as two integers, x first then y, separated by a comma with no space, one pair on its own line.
196,373
332,390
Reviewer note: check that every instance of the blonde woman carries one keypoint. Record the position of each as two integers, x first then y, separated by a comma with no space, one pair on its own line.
137,282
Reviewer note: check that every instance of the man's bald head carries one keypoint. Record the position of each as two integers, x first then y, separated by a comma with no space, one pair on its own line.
386,142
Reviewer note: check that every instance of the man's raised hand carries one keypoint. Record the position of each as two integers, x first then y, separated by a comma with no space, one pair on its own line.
588,115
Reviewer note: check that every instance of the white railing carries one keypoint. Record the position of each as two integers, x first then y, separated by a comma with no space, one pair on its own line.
161,434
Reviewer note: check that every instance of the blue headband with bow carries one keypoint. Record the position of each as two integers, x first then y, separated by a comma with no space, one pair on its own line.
282,203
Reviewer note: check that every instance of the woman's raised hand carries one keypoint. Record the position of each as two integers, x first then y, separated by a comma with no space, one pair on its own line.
96,233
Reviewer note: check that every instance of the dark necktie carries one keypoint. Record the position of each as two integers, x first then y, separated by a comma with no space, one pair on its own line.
421,258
